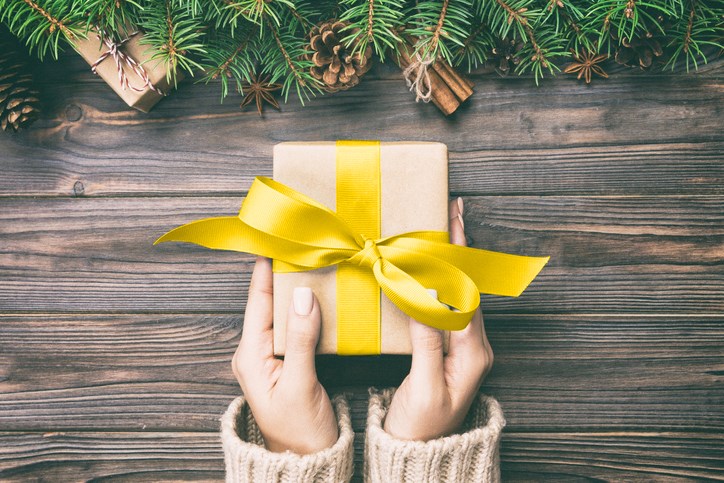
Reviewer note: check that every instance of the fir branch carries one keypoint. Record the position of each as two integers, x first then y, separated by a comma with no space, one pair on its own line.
438,25
374,22
174,35
53,21
113,17
538,59
700,27
628,18
229,57
282,56
42,24
476,47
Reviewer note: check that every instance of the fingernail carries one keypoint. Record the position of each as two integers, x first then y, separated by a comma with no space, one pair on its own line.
462,223
460,213
303,299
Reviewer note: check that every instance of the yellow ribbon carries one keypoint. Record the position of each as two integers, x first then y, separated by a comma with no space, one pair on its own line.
278,222
358,203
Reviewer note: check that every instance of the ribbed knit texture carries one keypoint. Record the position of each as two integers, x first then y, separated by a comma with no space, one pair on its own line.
247,460
472,456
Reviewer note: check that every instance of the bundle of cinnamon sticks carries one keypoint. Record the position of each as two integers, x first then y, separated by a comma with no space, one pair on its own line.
449,89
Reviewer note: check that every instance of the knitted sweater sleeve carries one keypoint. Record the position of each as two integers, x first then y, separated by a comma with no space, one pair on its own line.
472,455
247,460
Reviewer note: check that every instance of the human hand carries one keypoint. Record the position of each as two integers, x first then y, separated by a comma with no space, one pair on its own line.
435,397
290,406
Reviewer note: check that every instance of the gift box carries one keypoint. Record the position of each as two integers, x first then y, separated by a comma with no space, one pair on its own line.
127,67
413,196
364,224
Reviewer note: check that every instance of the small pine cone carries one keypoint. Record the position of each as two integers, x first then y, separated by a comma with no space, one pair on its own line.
19,103
641,51
505,55
334,64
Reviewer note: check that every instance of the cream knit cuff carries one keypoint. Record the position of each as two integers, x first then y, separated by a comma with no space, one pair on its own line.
247,460
470,456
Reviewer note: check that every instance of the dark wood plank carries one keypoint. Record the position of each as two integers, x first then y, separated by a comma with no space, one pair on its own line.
136,456
609,254
629,457
172,372
115,456
630,134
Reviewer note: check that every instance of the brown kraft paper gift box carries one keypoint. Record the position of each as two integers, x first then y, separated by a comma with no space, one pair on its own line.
414,196
92,48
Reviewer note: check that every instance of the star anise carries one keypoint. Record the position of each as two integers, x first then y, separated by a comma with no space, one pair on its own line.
586,64
260,90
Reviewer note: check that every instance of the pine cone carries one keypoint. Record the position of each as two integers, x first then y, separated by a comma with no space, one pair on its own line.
505,55
19,103
641,51
333,63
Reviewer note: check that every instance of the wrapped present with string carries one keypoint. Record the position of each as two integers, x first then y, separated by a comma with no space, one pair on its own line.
127,66
364,224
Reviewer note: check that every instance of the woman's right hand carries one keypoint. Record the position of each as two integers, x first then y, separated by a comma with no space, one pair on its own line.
435,397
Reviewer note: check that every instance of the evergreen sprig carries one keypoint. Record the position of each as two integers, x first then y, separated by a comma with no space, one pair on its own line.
230,40
373,22
44,24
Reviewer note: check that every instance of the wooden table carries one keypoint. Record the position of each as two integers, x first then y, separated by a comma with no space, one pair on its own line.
115,355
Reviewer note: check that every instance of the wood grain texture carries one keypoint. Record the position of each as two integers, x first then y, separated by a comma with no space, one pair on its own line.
172,372
119,456
114,355
629,134
609,254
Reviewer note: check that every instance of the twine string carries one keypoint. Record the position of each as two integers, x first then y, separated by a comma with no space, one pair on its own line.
115,51
418,79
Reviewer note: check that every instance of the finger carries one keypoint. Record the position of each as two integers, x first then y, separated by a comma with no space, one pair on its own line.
427,355
303,325
457,225
469,341
257,334
260,304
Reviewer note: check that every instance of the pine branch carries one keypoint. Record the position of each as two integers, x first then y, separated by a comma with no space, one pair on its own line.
541,44
230,57
282,56
476,47
700,27
43,24
175,34
112,17
373,22
439,25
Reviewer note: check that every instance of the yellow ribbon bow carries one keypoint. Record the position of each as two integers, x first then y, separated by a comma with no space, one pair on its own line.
278,222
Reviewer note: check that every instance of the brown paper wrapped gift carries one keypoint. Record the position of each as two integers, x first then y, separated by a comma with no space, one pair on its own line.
91,49
414,196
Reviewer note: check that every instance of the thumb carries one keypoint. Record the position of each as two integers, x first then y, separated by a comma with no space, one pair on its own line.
303,325
427,351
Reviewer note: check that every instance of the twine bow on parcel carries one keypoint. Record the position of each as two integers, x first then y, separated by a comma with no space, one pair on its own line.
278,222
115,51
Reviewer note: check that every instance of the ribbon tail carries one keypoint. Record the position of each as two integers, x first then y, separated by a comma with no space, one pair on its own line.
494,273
222,233
498,273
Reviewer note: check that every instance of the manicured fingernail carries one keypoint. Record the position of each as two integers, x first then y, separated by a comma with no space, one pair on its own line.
303,299
460,213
